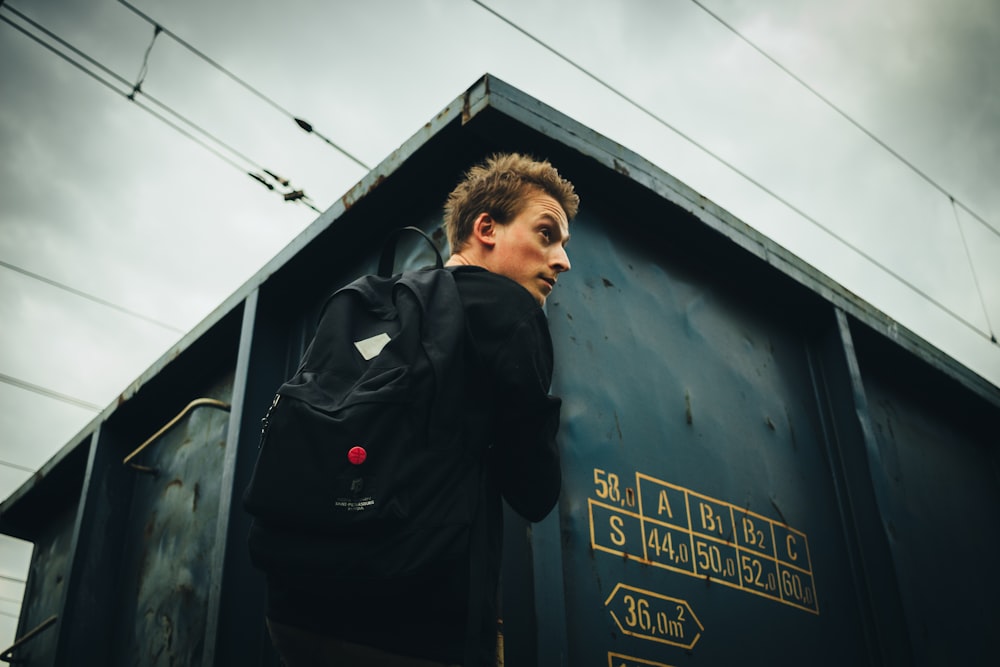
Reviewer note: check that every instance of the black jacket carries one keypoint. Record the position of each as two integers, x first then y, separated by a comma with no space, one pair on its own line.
506,413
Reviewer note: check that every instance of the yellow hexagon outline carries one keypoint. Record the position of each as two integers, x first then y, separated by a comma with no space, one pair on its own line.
643,591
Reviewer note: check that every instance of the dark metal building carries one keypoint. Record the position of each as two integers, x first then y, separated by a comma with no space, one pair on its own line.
759,467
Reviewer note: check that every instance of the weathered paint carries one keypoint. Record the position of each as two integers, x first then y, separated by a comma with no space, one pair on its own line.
164,574
759,467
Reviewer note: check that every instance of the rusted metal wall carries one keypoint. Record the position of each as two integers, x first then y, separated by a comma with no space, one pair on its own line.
166,568
124,563
755,470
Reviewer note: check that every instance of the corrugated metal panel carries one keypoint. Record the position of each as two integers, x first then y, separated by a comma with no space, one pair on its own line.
755,472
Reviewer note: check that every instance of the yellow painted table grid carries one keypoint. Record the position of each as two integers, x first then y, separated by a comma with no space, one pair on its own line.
677,529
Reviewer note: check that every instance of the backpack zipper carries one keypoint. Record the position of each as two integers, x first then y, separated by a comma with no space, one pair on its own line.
266,420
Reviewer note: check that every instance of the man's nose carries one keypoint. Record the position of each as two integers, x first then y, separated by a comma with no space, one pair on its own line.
560,260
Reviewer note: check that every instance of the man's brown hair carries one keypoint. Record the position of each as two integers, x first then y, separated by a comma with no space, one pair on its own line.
498,187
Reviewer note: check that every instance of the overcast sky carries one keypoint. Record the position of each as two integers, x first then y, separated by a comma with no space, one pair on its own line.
99,196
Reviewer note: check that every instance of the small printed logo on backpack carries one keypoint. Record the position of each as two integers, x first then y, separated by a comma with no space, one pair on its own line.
356,502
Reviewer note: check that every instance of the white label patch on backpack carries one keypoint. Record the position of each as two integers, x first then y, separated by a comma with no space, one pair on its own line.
371,347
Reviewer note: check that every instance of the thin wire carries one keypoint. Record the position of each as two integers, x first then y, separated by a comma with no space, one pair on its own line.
9,578
975,276
38,389
934,184
91,297
6,379
16,466
112,87
736,170
144,69
301,123
955,203
125,82
131,98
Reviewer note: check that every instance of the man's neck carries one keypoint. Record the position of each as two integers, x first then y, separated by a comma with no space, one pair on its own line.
459,259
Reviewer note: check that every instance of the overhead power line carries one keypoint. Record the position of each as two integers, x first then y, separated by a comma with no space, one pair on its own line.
291,195
715,156
144,69
16,466
955,203
843,114
120,79
303,124
249,164
90,297
59,396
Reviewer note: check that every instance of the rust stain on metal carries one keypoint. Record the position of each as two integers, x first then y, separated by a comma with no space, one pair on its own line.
174,482
349,200
607,283
687,407
466,108
621,168
186,591
378,181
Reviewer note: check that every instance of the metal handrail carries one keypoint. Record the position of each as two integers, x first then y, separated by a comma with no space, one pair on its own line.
197,403
44,625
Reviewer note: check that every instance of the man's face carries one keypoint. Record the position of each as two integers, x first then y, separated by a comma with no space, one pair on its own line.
530,249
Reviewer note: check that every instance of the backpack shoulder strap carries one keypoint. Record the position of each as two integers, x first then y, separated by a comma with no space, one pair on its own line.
388,257
442,336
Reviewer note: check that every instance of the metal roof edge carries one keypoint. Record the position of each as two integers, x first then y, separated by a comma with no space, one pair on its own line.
38,477
464,107
614,156
490,92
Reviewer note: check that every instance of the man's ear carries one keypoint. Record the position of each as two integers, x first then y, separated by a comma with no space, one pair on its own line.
484,230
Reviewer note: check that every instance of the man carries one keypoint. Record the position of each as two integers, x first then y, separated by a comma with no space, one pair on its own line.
511,217
508,226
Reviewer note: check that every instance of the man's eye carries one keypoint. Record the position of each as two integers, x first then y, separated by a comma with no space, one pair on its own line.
547,233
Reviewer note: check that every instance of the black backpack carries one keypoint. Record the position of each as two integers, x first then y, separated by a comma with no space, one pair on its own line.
363,475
